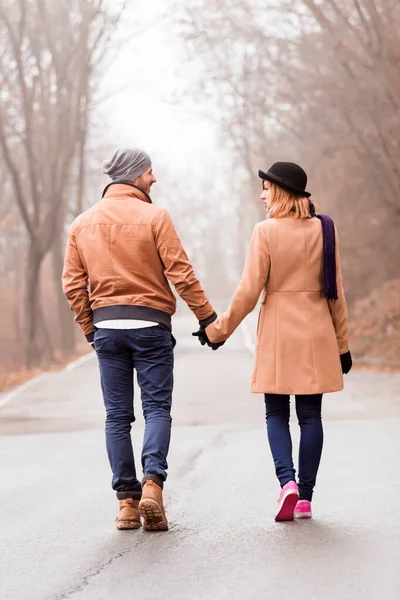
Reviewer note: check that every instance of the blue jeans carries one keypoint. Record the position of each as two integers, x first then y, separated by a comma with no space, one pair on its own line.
308,409
149,350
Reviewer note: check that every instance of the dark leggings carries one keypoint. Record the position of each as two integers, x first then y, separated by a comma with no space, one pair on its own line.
308,409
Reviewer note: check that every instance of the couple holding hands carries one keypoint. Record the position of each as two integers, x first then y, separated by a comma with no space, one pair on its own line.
121,255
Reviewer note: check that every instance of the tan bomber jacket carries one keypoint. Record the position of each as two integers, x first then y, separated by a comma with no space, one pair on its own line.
120,255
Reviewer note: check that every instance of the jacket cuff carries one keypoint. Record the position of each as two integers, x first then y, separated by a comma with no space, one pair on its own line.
209,320
90,337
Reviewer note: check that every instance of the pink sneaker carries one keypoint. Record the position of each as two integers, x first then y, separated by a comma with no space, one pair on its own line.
303,510
287,501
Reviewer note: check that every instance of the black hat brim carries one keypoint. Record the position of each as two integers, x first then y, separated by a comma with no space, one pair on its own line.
279,181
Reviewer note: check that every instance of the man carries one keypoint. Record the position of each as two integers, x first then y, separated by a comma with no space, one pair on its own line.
120,254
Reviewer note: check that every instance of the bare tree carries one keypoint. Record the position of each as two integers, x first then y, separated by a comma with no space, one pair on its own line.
49,53
314,81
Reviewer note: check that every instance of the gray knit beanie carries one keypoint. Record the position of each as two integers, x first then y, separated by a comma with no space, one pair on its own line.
126,164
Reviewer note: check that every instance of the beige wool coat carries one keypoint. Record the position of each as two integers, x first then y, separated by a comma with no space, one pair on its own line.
300,334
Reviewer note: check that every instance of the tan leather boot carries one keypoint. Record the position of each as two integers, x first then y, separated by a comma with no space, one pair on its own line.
128,517
151,508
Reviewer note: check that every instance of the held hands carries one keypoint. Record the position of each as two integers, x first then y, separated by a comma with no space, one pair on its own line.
202,335
203,339
346,362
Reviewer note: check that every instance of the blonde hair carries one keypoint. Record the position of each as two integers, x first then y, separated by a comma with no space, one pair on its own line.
286,204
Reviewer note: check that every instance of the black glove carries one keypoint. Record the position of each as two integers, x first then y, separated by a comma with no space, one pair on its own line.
92,344
201,335
203,339
346,361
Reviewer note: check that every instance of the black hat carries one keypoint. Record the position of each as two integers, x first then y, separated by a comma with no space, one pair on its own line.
289,176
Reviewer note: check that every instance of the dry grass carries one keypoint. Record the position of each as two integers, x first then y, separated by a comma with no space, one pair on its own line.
10,379
375,328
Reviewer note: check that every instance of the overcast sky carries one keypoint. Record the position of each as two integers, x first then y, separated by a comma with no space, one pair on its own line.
153,69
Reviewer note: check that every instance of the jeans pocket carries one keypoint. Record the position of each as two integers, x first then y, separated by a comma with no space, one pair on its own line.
152,335
103,339
165,328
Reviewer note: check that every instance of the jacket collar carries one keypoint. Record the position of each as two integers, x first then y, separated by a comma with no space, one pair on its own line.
125,189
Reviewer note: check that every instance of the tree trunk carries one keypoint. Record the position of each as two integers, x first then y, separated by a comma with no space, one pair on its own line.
33,351
16,318
66,326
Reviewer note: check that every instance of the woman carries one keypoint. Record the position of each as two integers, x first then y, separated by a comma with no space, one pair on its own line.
302,335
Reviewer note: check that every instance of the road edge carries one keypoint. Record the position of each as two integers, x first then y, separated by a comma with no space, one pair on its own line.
8,396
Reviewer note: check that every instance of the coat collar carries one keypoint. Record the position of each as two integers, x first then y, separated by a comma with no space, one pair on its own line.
125,189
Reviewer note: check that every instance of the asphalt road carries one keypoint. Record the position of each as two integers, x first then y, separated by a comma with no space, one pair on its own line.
57,510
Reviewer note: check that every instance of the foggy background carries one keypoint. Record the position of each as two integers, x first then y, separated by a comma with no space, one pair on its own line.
213,90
